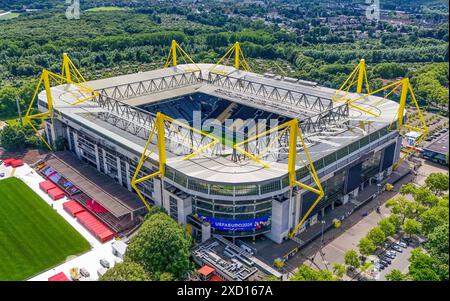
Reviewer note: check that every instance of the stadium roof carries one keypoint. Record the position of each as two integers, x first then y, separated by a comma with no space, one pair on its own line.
125,92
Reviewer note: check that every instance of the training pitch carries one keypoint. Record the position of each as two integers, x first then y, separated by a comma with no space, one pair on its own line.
33,237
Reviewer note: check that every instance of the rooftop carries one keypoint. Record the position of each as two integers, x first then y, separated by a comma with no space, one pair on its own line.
440,145
326,125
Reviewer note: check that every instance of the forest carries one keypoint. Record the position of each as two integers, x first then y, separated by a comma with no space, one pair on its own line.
304,39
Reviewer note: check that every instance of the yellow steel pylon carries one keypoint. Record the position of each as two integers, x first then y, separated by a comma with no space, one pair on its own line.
406,88
159,128
294,136
357,77
172,58
239,59
69,75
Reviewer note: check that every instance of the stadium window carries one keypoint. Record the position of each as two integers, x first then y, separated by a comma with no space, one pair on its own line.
331,158
169,174
244,216
318,164
218,189
270,187
223,216
263,206
264,213
244,208
374,136
204,205
197,186
180,179
364,141
341,153
222,208
302,172
353,147
246,190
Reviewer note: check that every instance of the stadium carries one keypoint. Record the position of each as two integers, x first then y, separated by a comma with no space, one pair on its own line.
224,150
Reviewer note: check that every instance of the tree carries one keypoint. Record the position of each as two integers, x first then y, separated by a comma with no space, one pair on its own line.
166,277
306,273
339,270
351,259
422,267
377,236
396,275
408,188
394,219
438,243
154,210
12,138
386,226
433,218
411,227
366,246
161,245
405,208
425,197
437,182
126,271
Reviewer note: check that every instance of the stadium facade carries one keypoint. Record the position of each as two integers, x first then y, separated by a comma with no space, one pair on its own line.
221,190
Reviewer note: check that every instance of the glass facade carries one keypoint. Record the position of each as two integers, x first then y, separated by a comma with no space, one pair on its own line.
234,214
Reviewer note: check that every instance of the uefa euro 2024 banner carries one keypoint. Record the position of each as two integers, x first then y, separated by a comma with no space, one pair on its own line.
238,225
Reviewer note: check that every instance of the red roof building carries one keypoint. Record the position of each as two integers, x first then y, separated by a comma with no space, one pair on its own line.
17,163
206,272
73,207
95,226
8,161
46,186
56,193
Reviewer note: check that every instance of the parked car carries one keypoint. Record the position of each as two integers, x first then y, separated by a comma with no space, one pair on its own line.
402,244
379,267
104,263
386,259
390,255
397,248
384,263
84,272
2,175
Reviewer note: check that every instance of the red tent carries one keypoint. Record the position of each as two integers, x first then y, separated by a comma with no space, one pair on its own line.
96,227
56,193
73,207
8,161
59,277
17,163
46,186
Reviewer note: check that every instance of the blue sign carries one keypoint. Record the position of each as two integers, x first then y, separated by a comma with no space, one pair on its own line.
238,225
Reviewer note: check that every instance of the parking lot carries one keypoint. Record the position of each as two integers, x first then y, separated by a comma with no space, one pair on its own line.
399,262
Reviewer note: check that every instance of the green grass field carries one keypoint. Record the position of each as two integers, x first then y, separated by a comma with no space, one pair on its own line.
106,8
9,16
33,237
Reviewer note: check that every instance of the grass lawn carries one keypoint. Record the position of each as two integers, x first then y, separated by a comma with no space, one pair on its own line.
9,16
107,8
33,237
